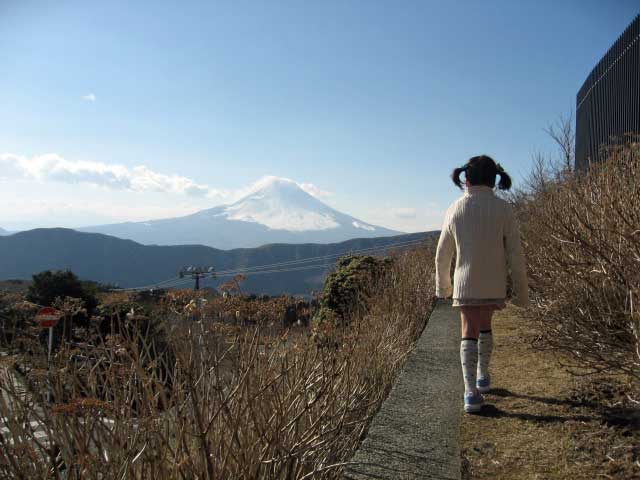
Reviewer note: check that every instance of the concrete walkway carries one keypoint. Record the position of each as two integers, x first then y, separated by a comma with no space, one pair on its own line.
416,433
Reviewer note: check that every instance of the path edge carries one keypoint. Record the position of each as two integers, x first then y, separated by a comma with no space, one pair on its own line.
416,432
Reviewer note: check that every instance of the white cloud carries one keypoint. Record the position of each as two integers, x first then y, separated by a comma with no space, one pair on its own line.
404,212
50,190
23,213
404,219
52,167
89,97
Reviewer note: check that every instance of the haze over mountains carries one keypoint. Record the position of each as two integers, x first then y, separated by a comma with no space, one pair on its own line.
277,210
112,260
276,221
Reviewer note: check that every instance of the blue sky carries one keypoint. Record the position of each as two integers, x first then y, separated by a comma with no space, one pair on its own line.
116,111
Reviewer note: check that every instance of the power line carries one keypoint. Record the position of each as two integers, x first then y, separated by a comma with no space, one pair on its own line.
314,259
289,266
293,263
163,284
184,281
293,269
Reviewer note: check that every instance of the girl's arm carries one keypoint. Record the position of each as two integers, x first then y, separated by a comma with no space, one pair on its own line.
444,254
515,259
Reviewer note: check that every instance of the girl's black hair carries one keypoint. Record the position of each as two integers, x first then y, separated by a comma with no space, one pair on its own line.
482,170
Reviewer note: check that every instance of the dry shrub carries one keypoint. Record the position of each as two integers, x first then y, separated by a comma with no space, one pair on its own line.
15,314
239,404
582,238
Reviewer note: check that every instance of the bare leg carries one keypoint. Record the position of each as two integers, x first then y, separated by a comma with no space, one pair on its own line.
475,320
484,322
485,347
469,347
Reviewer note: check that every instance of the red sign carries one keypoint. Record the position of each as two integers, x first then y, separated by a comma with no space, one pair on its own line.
47,317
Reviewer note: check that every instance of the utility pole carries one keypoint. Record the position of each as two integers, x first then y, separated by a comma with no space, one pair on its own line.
197,273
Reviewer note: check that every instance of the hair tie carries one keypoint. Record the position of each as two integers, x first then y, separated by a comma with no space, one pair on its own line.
499,168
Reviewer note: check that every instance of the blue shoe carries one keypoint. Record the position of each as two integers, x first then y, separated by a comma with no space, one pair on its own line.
483,384
473,402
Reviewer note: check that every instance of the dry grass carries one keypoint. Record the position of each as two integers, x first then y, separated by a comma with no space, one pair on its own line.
215,401
544,423
582,241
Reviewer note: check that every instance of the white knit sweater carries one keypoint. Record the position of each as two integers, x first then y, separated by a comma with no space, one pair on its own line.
482,229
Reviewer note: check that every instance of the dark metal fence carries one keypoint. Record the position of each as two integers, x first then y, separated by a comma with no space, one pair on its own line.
608,103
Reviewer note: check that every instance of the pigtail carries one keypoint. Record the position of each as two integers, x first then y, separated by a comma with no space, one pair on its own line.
455,176
505,179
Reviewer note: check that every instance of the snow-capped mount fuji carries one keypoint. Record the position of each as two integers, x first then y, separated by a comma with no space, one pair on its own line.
280,204
276,210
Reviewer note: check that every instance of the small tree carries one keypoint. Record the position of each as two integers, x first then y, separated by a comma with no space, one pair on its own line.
563,135
348,286
49,285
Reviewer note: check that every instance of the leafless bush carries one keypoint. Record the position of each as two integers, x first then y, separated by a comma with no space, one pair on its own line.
582,239
239,404
15,313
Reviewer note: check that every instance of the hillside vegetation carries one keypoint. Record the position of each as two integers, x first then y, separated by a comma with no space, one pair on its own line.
170,393
111,260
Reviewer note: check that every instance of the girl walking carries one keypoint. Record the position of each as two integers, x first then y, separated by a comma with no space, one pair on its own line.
483,232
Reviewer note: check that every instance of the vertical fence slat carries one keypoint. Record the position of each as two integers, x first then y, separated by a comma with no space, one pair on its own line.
608,103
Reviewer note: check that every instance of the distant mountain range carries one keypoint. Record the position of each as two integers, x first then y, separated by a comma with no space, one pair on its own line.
108,259
277,210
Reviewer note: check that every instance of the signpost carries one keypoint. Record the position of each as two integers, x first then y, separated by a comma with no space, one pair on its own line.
48,317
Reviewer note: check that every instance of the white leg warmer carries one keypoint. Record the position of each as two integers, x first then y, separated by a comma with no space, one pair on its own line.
469,360
485,347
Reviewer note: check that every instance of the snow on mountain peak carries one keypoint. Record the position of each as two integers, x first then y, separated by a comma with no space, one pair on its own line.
363,226
272,210
271,181
281,204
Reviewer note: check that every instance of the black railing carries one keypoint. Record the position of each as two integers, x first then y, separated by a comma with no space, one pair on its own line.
608,103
